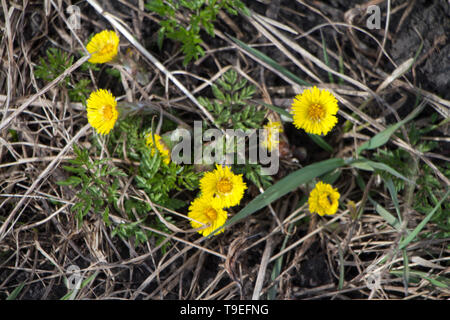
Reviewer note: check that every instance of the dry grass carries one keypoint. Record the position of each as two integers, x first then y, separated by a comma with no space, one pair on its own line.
39,237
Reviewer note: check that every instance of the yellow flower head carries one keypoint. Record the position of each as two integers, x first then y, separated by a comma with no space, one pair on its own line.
102,111
162,148
269,141
323,199
103,47
315,111
207,213
224,186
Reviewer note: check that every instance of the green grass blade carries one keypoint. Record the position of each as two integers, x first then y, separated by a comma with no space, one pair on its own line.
325,57
416,231
15,292
341,269
369,165
390,185
382,137
89,279
405,270
341,70
272,293
72,293
320,142
284,186
440,281
269,61
278,110
386,215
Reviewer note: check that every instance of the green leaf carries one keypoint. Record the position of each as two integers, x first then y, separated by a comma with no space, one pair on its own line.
105,216
279,110
386,215
320,142
71,181
114,171
74,169
384,136
87,207
209,27
158,7
217,93
160,39
15,292
362,166
369,165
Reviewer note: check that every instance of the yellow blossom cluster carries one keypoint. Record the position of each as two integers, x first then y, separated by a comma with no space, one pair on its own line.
220,189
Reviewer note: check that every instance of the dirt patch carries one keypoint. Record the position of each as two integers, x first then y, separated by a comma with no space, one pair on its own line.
428,25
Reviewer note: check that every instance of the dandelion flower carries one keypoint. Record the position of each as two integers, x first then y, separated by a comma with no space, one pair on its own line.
223,185
269,140
103,47
315,111
102,111
162,148
207,213
323,199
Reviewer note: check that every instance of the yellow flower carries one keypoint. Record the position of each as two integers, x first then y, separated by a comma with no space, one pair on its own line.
323,199
207,213
103,47
224,186
102,111
269,141
162,148
315,111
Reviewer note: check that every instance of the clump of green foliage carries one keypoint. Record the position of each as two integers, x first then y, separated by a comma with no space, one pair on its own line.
252,172
231,107
429,189
199,13
158,179
56,63
99,188
99,184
